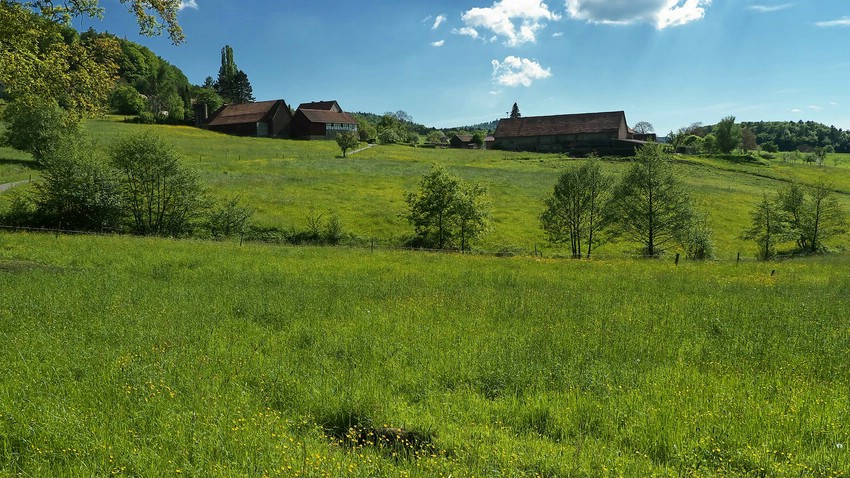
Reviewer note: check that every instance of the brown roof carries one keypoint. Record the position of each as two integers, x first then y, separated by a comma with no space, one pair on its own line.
319,105
466,138
560,124
321,116
239,113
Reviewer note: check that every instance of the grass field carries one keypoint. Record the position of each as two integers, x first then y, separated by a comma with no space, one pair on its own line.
285,180
155,357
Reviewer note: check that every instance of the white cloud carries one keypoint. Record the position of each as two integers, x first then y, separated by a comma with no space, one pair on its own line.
188,4
769,8
557,35
796,110
438,43
815,107
841,22
514,71
517,21
438,21
660,13
470,32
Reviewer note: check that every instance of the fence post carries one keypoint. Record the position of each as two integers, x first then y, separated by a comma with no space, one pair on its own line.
372,246
738,261
677,258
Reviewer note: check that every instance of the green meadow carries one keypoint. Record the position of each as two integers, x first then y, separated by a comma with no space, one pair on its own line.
153,357
287,181
143,357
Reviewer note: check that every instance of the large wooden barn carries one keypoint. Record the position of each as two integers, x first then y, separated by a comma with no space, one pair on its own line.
270,119
578,134
321,120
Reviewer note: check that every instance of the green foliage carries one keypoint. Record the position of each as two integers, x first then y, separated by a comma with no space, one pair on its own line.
232,84
78,190
38,126
228,218
125,100
768,227
347,140
447,212
748,140
152,15
575,212
812,214
40,58
728,135
794,135
164,197
389,136
649,204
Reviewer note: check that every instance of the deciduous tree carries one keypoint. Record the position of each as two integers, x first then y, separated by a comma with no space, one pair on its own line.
643,127
728,135
575,212
347,140
650,206
767,227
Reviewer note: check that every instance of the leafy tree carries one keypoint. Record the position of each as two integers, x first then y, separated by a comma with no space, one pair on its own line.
125,100
437,137
228,218
649,204
78,190
163,197
38,126
697,239
574,212
233,84
152,15
389,136
728,135
812,214
43,59
515,112
347,140
748,140
478,139
209,97
445,209
768,227
643,127
709,144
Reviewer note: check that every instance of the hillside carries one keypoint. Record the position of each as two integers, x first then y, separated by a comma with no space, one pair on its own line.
284,180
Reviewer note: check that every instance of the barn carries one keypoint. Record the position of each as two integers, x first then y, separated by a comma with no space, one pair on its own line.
321,120
577,134
271,119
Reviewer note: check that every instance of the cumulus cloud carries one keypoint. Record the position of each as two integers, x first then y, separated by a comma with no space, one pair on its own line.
557,35
796,110
515,71
770,8
438,43
841,22
660,13
438,21
188,4
516,21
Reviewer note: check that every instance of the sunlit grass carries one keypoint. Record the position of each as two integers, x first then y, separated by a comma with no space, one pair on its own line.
158,357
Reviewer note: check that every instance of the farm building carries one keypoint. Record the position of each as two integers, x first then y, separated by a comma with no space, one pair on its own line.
461,141
321,120
264,118
579,134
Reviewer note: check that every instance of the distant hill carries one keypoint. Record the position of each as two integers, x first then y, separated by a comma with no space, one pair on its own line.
489,127
795,135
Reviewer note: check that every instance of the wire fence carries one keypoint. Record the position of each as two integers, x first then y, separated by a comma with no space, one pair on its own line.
374,244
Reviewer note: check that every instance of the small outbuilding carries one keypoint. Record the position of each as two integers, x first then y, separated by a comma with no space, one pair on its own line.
321,120
270,119
461,141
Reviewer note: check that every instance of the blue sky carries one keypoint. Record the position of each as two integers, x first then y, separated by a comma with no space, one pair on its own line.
451,63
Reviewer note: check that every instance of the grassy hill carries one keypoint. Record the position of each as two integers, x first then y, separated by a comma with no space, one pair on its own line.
154,357
284,180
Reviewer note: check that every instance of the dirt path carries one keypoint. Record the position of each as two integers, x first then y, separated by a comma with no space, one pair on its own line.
363,149
7,186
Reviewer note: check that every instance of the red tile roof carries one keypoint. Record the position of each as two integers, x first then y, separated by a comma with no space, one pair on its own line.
239,113
584,123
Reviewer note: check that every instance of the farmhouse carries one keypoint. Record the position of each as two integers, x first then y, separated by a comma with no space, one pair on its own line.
579,134
461,141
264,118
321,120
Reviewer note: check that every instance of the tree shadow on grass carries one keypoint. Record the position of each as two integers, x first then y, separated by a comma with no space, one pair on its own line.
29,163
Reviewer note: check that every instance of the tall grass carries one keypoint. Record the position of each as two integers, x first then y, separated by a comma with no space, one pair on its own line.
156,357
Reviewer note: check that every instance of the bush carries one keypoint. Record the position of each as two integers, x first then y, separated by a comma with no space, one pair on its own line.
228,219
38,126
164,198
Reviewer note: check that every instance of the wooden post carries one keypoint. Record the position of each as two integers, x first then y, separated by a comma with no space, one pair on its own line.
677,258
738,261
372,246
772,272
